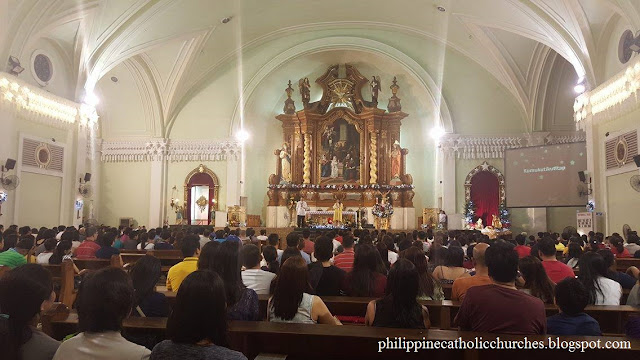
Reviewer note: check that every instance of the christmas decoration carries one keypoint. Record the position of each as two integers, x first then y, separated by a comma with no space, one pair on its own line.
469,213
503,213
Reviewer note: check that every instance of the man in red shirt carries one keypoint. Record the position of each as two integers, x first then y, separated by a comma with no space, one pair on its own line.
522,249
88,248
500,307
344,260
308,244
556,270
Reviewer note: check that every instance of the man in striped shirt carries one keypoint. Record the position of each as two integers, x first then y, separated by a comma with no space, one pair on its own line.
15,257
344,260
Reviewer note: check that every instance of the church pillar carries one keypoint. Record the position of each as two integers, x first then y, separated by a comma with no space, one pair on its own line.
373,162
448,181
80,170
234,182
306,175
158,168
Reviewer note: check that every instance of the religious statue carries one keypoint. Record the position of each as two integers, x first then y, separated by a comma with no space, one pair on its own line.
495,222
305,90
285,161
337,213
334,167
375,88
396,159
479,225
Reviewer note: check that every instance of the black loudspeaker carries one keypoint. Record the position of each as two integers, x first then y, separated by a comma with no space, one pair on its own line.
582,176
636,159
10,164
87,177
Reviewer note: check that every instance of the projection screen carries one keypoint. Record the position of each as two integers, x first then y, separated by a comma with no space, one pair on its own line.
546,176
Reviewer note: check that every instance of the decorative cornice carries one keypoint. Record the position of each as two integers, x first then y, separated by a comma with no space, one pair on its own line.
493,147
613,98
171,150
39,105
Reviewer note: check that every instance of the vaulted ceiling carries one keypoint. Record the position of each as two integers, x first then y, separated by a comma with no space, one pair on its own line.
178,46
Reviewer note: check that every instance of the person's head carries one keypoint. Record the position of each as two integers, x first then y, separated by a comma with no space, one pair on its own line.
273,240
107,239
455,257
24,245
63,248
521,239
592,267
289,252
348,242
535,278
104,300
365,258
404,245
422,236
144,277
306,234
323,249
251,256
225,262
293,239
403,284
575,251
200,311
207,255
417,258
571,296
220,234
291,283
479,251
609,259
547,248
191,246
270,255
502,262
91,233
24,292
166,235
50,245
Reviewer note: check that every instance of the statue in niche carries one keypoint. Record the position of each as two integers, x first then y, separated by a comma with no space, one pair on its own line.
285,162
396,159
375,88
305,90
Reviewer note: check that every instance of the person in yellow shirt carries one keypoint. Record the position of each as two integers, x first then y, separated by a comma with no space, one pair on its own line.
178,272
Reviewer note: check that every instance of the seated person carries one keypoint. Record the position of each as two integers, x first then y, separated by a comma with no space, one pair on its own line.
16,256
89,247
500,307
190,251
572,297
625,280
147,302
452,268
593,275
49,246
556,270
24,292
399,308
325,279
292,301
107,250
163,242
270,259
104,301
481,277
242,302
522,249
197,327
365,278
573,255
428,287
253,277
535,280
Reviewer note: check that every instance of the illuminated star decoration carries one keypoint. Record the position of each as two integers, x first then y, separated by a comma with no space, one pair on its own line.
572,162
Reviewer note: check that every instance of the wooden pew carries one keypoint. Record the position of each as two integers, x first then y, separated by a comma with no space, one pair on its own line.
308,341
97,264
446,288
167,258
442,313
622,264
63,275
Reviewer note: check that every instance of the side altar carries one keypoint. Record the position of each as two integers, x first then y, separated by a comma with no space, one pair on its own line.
341,148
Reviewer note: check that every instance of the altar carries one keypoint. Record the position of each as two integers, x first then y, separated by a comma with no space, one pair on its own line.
342,149
324,219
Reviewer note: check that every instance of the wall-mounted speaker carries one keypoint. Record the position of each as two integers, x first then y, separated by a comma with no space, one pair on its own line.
10,164
87,177
582,176
636,159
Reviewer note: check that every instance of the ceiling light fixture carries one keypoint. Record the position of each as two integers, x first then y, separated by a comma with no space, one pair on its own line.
581,86
441,9
242,135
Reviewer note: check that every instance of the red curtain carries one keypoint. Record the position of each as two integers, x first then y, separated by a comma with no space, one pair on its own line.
485,195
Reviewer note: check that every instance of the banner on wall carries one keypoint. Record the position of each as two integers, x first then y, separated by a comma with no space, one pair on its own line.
589,221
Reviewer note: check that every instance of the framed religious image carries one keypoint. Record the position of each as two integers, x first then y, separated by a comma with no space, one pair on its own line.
339,153
621,151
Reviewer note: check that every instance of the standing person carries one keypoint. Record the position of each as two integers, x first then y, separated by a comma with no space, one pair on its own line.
442,220
197,327
301,211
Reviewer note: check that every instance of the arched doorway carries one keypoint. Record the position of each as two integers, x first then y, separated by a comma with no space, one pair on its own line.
201,193
485,186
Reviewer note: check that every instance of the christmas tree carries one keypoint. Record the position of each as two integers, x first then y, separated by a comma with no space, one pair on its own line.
469,212
503,212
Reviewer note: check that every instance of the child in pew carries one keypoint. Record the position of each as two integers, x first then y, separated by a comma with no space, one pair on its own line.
572,297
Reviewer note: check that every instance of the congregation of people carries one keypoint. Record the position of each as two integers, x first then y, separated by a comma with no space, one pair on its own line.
503,286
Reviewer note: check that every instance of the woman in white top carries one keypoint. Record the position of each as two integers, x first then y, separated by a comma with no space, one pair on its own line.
602,290
104,300
291,301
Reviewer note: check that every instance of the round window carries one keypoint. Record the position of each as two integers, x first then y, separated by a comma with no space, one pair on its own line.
43,68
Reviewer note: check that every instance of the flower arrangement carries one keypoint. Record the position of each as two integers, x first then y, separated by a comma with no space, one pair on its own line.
382,210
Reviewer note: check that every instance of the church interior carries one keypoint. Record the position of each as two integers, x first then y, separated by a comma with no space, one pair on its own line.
383,124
